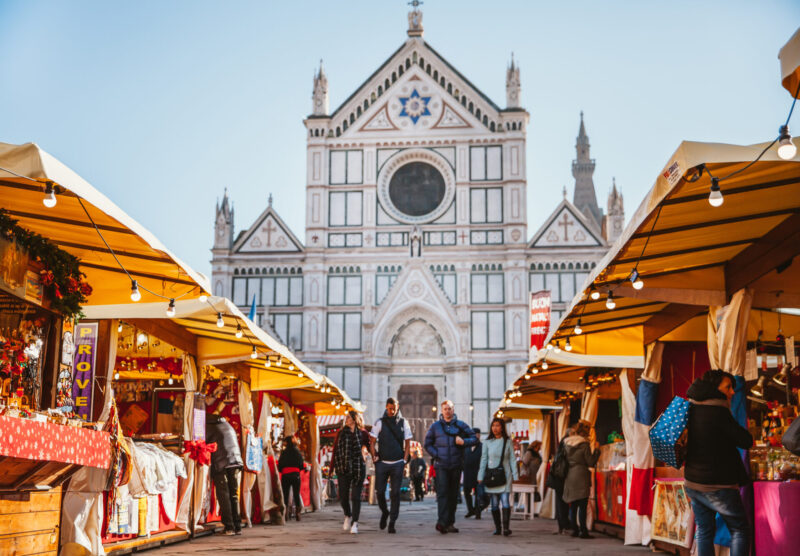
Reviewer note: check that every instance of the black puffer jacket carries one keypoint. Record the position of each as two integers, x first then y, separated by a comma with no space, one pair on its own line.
714,435
228,453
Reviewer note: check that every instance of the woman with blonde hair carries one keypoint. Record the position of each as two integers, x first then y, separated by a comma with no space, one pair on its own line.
350,451
581,455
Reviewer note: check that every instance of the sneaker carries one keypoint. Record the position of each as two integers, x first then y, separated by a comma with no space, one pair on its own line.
354,528
346,524
237,532
229,532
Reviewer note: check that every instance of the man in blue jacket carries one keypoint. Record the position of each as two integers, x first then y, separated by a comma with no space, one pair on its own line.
445,442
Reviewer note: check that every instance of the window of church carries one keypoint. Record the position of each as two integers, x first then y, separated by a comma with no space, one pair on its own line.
448,281
486,163
486,205
488,387
346,167
488,330
384,280
344,290
348,378
487,288
344,208
562,285
279,291
289,328
344,331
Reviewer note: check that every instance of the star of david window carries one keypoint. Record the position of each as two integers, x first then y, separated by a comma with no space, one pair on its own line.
417,188
415,106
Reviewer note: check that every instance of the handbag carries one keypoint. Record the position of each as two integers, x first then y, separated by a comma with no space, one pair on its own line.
254,453
496,476
669,435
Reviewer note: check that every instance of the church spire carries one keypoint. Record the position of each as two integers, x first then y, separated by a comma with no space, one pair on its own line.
320,103
415,19
584,196
512,84
223,223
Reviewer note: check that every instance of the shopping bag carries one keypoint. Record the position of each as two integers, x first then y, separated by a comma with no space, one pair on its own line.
669,434
254,453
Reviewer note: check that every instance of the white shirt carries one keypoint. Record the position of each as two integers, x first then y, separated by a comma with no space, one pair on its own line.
376,430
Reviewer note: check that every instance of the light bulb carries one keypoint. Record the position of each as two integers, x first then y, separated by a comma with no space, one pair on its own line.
300,375
171,308
291,367
135,295
568,346
715,198
220,321
610,303
141,338
786,149
595,295
557,349
527,376
544,365
636,281
203,297
535,371
170,381
472,408
239,331
49,195
549,346
119,327
254,353
578,330
116,375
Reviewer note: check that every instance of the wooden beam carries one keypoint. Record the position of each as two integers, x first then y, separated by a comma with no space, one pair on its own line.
68,221
674,295
731,191
768,252
168,331
134,272
687,251
670,318
772,300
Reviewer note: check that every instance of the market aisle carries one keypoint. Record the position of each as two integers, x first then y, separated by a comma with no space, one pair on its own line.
321,533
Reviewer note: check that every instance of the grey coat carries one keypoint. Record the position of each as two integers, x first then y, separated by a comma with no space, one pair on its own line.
578,484
490,457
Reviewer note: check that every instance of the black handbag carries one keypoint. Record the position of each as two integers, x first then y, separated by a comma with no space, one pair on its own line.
496,476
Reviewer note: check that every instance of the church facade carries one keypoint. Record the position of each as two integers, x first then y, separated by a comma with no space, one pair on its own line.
412,278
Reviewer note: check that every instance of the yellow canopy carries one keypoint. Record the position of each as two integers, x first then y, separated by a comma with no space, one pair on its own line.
691,255
68,226
525,411
789,56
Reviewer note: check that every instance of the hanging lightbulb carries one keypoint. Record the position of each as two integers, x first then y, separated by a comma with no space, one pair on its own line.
170,381
203,297
119,327
254,353
141,338
171,308
300,375
316,385
472,407
135,295
220,321
291,367
535,371
578,330
715,198
610,303
786,149
527,376
544,365
50,195
239,331
266,363
557,349
595,295
116,375
568,346
636,281
549,346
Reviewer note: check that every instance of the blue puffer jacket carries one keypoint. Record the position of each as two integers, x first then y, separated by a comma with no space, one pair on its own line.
440,442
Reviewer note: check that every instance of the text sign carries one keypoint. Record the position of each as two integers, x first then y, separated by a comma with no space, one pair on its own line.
83,370
540,319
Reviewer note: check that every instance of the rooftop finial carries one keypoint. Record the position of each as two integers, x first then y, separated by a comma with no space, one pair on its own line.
564,191
415,19
270,200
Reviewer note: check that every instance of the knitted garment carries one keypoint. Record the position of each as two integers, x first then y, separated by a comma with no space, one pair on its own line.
349,460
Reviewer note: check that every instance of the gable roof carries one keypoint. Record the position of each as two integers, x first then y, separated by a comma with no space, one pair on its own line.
543,237
252,240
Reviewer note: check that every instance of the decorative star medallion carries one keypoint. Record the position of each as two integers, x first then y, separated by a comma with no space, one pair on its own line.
415,106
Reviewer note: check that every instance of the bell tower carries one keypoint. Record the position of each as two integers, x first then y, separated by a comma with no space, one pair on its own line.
223,224
584,196
512,85
320,103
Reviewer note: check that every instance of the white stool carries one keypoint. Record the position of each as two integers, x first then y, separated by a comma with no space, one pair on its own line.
524,505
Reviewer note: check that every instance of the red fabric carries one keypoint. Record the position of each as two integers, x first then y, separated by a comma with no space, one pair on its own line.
610,487
199,451
681,364
290,470
147,425
305,489
27,439
640,497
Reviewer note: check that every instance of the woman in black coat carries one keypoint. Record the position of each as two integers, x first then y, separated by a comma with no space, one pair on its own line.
290,464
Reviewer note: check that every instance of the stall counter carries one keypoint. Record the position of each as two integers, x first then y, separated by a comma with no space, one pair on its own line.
777,505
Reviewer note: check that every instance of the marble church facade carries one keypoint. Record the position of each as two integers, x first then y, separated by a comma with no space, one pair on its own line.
413,275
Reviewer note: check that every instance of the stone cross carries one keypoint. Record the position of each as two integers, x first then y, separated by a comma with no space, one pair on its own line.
463,237
269,228
565,222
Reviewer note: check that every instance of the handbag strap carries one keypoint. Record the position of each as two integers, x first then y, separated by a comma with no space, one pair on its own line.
503,453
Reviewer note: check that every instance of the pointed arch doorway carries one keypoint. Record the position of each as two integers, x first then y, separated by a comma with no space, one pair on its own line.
417,402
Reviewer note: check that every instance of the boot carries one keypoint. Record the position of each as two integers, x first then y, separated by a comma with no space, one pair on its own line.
496,517
506,521
470,507
477,513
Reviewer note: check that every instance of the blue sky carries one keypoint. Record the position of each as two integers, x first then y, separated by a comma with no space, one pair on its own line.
161,105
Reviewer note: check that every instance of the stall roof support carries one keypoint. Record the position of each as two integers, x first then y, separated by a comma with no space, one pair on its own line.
670,318
168,331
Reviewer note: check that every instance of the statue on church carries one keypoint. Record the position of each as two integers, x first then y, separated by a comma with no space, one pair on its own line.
416,242
415,19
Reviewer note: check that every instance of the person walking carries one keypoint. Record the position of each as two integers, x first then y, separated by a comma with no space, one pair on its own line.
445,441
472,463
226,469
393,436
581,455
556,482
498,454
531,461
350,449
417,468
290,464
714,470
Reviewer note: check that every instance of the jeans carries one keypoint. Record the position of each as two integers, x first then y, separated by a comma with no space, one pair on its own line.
577,515
448,482
394,473
498,499
728,503
226,484
350,494
562,510
291,481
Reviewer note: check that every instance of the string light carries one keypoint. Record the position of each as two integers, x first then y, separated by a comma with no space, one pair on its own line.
171,308
135,295
203,297
578,330
568,346
239,331
170,381
610,303
300,375
535,371
557,349
527,376
786,149
715,198
119,327
636,280
544,365
220,320
49,195
254,353
116,375
291,367
595,295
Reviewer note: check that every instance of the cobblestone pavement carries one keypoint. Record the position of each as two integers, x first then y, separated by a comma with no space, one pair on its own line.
321,533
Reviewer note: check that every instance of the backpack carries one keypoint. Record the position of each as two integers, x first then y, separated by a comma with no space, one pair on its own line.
560,466
669,435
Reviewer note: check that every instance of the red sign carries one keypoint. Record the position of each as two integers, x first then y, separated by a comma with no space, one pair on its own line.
540,318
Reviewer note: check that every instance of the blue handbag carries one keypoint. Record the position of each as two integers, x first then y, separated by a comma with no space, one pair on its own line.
254,453
670,433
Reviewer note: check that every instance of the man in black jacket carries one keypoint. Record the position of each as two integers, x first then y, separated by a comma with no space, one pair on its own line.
714,470
226,468
393,436
472,462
